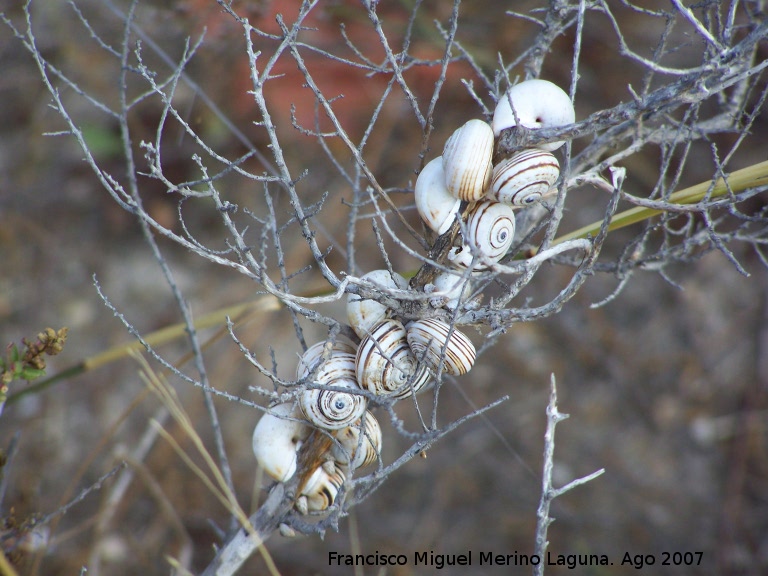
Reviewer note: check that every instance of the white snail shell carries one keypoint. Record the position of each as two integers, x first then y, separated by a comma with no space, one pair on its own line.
523,178
354,452
276,441
435,204
365,314
427,339
385,364
491,229
320,490
314,354
455,288
538,104
334,409
467,159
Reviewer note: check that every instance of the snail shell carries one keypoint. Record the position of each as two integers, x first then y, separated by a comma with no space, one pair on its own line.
314,355
276,441
538,104
365,314
427,339
385,364
435,204
455,288
491,228
467,158
320,490
523,178
334,409
354,452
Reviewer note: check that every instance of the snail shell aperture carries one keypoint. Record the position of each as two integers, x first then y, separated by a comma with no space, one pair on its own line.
538,104
320,490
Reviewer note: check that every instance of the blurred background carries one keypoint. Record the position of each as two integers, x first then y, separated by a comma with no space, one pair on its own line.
666,386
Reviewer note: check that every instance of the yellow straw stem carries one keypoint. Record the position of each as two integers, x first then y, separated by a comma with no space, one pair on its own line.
751,177
170,333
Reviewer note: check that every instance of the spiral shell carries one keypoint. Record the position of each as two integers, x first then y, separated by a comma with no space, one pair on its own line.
428,337
276,441
334,409
385,364
435,204
320,490
354,452
538,104
523,178
314,354
490,228
467,160
365,314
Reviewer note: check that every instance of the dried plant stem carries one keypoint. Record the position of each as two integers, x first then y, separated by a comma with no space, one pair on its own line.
548,491
243,544
752,177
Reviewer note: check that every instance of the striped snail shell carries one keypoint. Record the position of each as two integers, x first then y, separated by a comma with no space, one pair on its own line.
523,178
320,490
353,451
385,364
334,409
435,204
467,158
276,440
363,315
314,355
427,339
538,104
490,228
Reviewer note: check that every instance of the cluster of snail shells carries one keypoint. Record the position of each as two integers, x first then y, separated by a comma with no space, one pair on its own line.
392,361
465,173
396,359
332,403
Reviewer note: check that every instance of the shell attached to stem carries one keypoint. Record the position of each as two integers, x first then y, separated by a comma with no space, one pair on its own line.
467,159
385,364
429,339
276,440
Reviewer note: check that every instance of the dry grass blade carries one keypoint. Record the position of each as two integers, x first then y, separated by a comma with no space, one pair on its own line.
6,568
213,479
751,177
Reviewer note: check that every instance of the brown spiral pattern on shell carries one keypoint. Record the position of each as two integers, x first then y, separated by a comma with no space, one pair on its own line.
321,489
385,364
350,450
334,409
467,157
491,227
523,178
427,338
314,354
